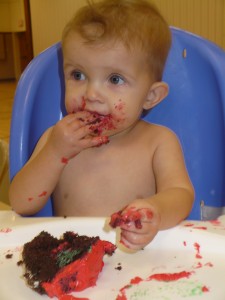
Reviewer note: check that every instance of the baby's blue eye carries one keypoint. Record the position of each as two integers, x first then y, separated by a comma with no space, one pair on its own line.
116,79
77,75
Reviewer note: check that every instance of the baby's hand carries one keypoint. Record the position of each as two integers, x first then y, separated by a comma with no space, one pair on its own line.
139,223
73,134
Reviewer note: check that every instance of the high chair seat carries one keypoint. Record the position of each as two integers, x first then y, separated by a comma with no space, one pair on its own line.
194,110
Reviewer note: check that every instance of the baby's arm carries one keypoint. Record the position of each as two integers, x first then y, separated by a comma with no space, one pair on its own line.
143,218
36,181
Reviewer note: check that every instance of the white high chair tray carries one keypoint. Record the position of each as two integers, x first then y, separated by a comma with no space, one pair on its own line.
181,263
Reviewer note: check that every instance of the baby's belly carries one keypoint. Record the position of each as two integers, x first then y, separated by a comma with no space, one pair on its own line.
97,201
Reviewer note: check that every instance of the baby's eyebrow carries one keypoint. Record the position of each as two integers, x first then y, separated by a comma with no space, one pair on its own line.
68,64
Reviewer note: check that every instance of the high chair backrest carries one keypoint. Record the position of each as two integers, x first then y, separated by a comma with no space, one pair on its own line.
194,110
38,104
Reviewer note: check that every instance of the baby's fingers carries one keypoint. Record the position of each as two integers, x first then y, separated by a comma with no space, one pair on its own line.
131,216
134,240
91,141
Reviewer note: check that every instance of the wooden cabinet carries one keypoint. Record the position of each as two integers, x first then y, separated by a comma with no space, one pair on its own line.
16,49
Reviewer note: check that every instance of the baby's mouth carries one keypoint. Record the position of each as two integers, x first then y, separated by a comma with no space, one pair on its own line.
101,123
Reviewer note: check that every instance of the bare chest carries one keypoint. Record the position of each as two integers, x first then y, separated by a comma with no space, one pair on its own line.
98,185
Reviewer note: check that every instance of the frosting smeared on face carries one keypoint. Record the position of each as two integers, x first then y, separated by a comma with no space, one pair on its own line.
103,123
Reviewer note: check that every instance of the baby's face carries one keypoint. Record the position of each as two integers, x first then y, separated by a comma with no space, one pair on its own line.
107,80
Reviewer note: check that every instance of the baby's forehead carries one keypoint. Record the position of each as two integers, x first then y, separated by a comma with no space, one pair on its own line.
105,43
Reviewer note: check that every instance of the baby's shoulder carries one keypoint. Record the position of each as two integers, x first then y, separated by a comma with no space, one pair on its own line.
155,134
156,129
160,137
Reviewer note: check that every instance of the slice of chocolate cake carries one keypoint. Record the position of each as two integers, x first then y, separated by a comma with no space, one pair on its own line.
59,266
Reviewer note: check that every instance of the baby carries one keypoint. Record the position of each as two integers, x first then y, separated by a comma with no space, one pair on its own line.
101,157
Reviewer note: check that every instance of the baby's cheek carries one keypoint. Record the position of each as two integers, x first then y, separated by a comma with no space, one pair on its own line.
119,106
126,114
71,105
119,114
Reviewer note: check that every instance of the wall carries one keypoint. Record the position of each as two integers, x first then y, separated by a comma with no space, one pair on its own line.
203,17
48,18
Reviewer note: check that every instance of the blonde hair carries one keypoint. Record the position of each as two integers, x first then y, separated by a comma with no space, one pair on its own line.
135,23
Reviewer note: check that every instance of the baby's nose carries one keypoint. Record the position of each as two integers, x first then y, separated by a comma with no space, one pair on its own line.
93,93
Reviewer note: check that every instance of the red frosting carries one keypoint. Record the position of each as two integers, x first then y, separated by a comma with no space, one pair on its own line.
70,297
80,274
170,276
120,218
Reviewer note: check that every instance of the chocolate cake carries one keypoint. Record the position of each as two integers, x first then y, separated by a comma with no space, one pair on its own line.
59,266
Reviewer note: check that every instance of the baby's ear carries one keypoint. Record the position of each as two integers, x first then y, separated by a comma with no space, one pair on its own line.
157,92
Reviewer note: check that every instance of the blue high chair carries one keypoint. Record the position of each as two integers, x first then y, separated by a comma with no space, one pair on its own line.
194,110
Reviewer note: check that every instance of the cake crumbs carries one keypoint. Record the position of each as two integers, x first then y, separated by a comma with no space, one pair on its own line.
119,267
19,263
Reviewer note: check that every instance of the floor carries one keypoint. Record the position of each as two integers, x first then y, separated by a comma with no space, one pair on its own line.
7,91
